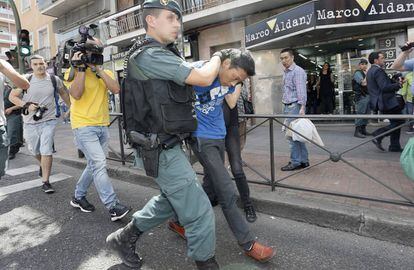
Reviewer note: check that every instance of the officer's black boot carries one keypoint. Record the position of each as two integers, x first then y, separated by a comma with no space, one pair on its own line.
364,131
358,132
123,243
210,264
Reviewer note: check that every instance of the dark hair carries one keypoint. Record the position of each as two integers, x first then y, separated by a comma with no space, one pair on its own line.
149,11
373,56
288,50
243,60
329,69
36,56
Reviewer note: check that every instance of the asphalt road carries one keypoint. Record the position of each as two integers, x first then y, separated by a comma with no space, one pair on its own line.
40,231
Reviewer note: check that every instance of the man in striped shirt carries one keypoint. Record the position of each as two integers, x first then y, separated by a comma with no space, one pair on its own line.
294,100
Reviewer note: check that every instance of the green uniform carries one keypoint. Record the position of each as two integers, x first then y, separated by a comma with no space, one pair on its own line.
181,193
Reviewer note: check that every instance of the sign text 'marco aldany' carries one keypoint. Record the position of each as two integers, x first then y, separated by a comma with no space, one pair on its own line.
330,12
289,22
327,14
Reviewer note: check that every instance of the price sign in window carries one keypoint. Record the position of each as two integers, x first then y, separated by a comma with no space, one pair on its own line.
390,54
385,43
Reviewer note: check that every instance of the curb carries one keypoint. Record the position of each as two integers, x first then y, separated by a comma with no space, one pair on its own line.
372,223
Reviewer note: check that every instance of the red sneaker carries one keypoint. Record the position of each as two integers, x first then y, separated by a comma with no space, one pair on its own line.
177,228
260,252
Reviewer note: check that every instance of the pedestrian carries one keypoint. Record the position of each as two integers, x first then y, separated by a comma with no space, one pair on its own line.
208,144
14,123
294,100
361,96
7,71
158,108
233,148
402,63
326,90
89,118
382,97
39,109
312,94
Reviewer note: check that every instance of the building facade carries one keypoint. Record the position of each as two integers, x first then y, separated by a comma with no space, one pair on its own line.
42,38
70,14
7,29
338,32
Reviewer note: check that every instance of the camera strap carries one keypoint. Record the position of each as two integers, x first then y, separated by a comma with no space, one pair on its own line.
55,92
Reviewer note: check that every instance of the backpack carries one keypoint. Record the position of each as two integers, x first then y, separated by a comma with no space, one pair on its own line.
55,92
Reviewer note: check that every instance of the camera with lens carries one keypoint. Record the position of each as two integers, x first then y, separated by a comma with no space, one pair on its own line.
39,112
91,53
407,46
396,78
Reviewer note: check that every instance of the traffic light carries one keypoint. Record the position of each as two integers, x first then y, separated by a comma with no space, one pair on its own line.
24,42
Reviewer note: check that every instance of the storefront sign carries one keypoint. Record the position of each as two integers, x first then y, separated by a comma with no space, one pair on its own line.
330,12
291,22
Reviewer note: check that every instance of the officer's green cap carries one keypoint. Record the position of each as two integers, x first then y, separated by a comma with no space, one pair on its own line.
164,4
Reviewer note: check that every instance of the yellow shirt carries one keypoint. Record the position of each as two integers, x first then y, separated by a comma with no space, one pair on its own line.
92,109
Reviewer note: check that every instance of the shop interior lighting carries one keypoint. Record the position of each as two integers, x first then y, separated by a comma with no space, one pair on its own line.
304,57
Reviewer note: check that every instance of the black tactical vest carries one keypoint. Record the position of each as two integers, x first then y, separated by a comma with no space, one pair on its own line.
155,106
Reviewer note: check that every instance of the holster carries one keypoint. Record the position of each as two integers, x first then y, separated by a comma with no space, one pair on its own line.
150,159
150,150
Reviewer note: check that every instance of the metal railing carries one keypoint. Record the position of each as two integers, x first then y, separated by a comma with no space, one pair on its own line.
273,182
333,156
131,19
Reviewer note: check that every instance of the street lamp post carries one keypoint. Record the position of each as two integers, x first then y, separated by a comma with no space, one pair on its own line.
18,30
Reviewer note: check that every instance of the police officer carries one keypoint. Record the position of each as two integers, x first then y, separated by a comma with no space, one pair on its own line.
157,104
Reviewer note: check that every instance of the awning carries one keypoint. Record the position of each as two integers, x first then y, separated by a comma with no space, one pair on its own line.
324,16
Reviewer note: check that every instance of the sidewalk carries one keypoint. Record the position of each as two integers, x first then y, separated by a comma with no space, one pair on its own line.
374,219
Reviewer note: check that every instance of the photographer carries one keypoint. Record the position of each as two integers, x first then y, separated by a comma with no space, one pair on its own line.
90,120
39,114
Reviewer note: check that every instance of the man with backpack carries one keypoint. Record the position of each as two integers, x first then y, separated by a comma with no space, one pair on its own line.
39,114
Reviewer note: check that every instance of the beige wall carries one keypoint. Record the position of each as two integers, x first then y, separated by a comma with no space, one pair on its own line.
219,35
33,21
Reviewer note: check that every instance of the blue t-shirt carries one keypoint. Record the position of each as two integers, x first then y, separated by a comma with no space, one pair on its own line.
409,66
209,110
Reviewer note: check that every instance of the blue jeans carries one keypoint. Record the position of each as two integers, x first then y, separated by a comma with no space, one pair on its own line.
362,107
298,150
93,142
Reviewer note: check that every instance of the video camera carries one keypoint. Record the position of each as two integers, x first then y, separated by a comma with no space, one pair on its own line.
92,53
407,46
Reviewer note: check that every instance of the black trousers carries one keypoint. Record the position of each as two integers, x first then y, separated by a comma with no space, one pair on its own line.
395,135
233,150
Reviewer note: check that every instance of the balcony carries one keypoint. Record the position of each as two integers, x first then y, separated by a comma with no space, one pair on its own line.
8,38
57,8
120,28
45,52
6,15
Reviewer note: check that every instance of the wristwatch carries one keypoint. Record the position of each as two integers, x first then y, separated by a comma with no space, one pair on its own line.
81,69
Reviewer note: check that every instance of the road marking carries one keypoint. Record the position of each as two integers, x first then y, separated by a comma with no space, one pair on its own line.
23,170
32,184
